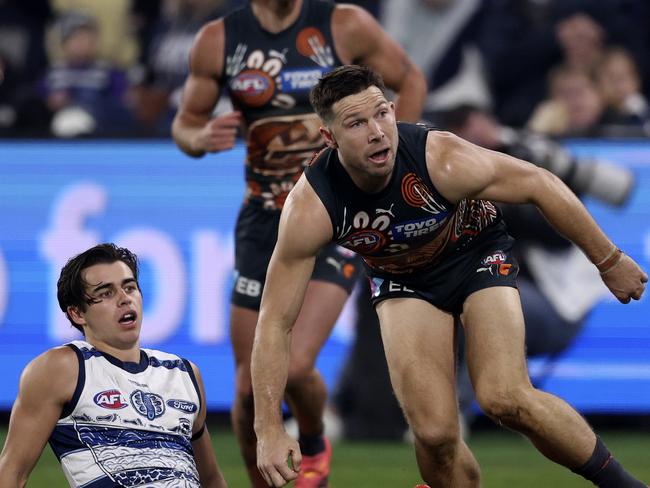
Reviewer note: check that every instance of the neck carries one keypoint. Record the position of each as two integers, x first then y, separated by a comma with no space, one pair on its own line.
126,354
276,15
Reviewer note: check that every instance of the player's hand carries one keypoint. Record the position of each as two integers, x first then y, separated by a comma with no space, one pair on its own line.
218,134
626,280
278,458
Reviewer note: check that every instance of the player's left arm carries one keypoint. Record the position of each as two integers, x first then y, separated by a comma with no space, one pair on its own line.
206,461
359,39
460,169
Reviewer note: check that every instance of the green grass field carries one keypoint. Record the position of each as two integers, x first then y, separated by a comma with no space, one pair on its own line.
507,461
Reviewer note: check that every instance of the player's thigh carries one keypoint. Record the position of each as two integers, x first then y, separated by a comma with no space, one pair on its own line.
321,308
495,336
419,344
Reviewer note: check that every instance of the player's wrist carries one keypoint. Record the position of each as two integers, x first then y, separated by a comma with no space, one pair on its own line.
610,261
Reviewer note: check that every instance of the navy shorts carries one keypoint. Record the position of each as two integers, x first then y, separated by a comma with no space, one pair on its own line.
255,236
485,262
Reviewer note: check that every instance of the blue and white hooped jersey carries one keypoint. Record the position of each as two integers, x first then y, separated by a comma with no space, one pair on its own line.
129,424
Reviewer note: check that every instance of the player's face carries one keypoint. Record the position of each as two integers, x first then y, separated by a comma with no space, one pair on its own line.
365,133
115,319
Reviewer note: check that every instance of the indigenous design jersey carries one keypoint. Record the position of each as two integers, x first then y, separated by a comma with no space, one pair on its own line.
406,227
129,424
268,77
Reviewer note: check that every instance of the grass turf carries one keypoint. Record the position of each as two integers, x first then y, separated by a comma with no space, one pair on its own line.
507,460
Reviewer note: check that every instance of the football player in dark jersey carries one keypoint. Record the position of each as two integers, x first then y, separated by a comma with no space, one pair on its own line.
267,56
416,205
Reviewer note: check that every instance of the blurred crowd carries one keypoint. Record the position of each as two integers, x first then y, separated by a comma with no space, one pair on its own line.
563,68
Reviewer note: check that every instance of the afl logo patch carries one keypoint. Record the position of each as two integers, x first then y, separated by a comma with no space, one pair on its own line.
148,405
365,241
110,399
182,405
252,87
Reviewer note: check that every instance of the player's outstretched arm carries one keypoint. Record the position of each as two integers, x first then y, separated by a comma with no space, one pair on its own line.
359,39
304,228
461,169
47,383
194,129
206,461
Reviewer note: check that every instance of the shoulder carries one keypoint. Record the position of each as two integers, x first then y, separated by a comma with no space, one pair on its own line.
207,51
54,372
305,215
348,21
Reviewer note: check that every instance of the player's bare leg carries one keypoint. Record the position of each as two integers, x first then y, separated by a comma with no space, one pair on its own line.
419,344
306,392
494,331
242,335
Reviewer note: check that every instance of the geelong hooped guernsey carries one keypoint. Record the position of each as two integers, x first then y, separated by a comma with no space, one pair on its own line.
129,424
406,227
268,77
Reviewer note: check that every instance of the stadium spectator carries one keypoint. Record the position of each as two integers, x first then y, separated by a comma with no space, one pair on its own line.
70,395
574,107
116,43
522,40
269,54
416,204
626,109
86,95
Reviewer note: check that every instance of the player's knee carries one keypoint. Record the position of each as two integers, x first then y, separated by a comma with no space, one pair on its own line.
508,406
441,438
300,369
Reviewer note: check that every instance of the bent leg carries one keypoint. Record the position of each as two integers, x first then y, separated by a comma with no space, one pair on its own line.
419,344
494,331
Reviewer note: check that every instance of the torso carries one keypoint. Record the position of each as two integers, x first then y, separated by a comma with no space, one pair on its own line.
129,424
268,77
408,226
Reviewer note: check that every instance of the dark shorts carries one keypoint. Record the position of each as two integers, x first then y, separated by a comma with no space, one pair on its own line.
486,262
255,236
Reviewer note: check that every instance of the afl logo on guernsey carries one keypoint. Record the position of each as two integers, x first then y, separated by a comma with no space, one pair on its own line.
252,87
148,405
365,241
110,399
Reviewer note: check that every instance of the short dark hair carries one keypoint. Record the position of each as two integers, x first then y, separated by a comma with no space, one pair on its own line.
340,83
71,287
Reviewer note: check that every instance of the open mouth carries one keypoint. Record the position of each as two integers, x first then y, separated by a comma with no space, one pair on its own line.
380,156
128,318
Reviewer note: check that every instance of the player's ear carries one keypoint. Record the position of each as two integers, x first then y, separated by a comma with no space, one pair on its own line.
76,315
328,137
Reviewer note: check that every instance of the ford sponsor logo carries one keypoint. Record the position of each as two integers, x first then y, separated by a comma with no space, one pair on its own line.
183,405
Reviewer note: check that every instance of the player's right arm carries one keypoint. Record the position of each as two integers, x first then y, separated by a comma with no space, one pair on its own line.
194,129
47,383
305,228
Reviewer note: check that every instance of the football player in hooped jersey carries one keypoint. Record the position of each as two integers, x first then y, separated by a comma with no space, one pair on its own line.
267,56
114,414
415,203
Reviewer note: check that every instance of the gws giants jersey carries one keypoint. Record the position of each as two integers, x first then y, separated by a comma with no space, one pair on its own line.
408,226
129,424
269,77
